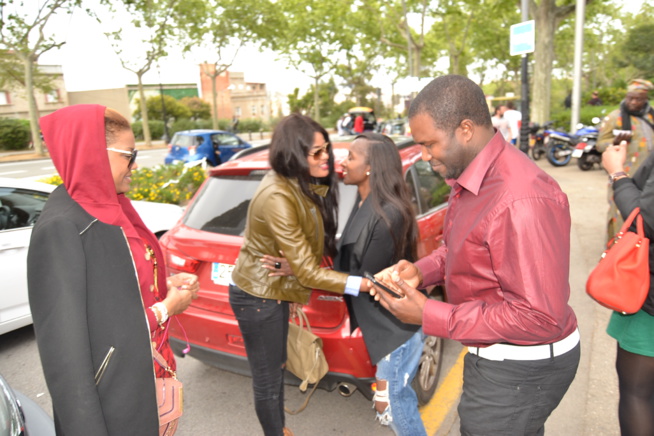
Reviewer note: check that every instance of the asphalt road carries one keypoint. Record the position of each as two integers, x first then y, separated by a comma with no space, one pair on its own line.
220,403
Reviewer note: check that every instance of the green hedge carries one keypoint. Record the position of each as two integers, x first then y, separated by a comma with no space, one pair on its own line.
562,117
14,134
156,129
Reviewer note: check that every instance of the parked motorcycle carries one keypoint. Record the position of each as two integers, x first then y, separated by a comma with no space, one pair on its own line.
560,145
586,151
538,133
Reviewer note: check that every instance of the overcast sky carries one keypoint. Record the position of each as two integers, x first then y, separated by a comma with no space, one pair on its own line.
89,62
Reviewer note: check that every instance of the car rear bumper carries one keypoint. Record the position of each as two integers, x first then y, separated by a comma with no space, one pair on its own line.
239,365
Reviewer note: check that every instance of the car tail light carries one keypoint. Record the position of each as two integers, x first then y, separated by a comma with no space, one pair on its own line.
170,147
181,262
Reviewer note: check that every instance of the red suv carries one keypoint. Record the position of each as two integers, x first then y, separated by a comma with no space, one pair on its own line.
206,242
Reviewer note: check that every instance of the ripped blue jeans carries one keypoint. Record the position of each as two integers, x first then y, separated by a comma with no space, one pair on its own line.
399,368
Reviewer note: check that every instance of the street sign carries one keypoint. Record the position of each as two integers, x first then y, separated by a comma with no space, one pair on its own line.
523,38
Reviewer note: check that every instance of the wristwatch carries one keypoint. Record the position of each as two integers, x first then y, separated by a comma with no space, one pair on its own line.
616,176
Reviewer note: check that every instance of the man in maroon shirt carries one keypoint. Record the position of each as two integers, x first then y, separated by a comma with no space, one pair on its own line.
504,264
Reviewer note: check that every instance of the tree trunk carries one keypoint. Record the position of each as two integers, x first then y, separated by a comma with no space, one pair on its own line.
144,111
316,100
33,108
547,16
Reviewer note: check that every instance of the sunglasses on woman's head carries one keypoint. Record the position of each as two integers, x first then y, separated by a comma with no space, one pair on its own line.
132,154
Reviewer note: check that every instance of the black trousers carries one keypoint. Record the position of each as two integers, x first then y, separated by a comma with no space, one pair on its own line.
264,326
513,397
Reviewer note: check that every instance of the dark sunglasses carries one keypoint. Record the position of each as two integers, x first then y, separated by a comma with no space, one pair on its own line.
316,154
132,155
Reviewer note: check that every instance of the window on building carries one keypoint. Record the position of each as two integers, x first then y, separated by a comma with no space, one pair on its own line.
238,111
4,98
254,109
263,109
52,96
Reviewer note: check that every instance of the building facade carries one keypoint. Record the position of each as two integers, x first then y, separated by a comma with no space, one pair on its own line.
14,102
234,96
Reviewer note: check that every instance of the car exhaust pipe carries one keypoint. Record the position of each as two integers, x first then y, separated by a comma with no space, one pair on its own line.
346,389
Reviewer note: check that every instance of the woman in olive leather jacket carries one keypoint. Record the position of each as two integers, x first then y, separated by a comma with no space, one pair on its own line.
293,211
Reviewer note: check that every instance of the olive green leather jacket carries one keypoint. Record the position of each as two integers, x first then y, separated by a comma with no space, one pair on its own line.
281,217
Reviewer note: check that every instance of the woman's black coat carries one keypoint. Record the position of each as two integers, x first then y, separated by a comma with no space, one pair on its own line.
367,245
85,299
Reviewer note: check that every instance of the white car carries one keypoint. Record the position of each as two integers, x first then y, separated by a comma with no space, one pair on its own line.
21,203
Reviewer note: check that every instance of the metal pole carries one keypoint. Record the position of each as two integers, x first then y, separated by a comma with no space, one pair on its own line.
524,91
579,45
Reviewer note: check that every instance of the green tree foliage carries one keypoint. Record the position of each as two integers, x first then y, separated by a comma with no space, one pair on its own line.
638,49
200,109
174,109
24,34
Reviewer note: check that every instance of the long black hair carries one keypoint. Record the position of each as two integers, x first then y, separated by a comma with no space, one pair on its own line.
389,190
289,149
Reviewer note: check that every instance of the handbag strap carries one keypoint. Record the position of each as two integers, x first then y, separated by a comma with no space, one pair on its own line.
635,214
304,405
156,355
302,319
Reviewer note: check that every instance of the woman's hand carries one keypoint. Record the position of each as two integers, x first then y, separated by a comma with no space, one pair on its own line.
182,289
614,157
293,308
278,266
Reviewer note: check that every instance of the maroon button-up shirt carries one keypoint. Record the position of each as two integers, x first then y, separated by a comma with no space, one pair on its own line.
506,255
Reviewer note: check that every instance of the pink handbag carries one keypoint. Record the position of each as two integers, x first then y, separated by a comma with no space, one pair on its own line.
170,399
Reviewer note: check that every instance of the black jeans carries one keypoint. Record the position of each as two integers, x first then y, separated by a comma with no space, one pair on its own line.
264,326
513,397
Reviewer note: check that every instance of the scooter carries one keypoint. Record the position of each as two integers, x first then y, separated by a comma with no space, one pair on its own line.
560,145
538,133
586,151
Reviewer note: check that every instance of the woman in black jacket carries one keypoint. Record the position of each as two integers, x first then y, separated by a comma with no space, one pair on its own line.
634,333
98,295
380,231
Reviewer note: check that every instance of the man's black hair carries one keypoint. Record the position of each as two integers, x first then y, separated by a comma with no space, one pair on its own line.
450,99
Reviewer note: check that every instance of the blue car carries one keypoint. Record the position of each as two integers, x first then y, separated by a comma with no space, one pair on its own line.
216,146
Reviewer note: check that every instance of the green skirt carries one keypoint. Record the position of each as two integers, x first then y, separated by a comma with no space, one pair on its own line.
634,333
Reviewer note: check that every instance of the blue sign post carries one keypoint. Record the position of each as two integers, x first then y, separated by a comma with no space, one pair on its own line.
523,38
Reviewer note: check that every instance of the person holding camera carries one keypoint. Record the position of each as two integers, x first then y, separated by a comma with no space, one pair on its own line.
632,122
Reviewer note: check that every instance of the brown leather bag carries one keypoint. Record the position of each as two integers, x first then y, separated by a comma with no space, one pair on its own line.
170,399
621,279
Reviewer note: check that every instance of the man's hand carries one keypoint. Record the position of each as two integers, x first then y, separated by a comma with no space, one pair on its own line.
408,309
624,135
406,270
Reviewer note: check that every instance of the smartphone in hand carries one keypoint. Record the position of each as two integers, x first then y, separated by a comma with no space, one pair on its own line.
381,285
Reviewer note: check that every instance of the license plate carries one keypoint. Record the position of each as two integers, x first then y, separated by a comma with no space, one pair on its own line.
578,152
221,273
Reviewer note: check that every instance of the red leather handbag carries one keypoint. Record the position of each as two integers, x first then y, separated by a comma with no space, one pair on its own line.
620,281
